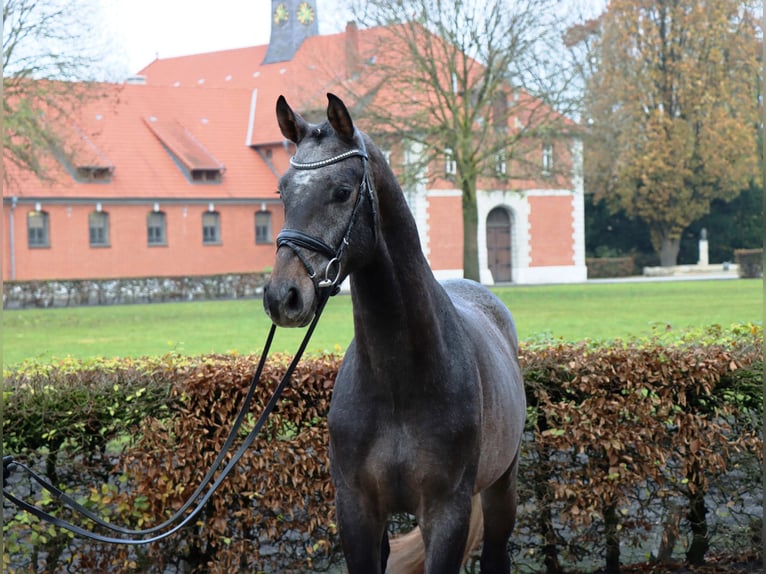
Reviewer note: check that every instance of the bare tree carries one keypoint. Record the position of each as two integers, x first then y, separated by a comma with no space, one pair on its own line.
47,46
478,82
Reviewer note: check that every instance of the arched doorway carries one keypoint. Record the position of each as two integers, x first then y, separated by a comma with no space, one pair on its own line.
499,245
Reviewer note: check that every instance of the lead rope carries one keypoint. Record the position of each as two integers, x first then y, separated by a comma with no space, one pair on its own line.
9,464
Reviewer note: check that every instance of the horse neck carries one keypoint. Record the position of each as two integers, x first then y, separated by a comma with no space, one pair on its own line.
397,300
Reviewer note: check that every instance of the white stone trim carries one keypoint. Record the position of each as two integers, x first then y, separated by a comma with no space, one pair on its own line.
417,199
445,193
578,215
551,274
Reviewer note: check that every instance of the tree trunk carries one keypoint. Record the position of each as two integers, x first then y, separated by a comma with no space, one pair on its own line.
542,479
697,520
612,535
546,530
669,247
470,232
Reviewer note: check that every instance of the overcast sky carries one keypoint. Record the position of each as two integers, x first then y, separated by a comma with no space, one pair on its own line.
141,30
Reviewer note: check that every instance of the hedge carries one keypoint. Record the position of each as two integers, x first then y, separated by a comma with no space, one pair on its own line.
602,267
632,447
750,262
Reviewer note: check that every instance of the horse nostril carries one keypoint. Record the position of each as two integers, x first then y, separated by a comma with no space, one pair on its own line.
293,300
284,303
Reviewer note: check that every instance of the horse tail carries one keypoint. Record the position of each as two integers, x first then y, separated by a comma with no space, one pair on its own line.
408,552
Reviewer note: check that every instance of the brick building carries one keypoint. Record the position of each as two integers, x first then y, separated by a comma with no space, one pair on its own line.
174,173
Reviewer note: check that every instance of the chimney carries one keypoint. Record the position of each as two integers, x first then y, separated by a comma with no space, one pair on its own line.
353,59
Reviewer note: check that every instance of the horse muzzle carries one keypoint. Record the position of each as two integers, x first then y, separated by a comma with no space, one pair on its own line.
289,297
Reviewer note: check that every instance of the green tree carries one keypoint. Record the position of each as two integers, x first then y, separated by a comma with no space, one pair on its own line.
672,108
473,82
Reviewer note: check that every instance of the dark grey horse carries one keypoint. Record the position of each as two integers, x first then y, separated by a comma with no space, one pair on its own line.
428,408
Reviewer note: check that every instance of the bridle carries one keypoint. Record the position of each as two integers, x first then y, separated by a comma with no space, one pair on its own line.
297,240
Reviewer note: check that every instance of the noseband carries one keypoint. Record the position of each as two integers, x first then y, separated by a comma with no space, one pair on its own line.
297,240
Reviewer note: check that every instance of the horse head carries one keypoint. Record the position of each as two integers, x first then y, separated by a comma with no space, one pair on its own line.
330,213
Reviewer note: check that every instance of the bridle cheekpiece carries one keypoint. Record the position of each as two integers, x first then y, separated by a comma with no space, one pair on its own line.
295,239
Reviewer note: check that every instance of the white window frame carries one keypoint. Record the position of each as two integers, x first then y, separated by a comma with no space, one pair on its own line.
547,159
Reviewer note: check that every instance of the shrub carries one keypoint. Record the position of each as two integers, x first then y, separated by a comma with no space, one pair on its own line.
600,267
750,262
627,445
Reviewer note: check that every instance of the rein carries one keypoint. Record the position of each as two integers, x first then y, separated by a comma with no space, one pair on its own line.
135,537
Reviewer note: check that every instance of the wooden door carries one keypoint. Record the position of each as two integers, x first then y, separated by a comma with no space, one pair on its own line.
499,245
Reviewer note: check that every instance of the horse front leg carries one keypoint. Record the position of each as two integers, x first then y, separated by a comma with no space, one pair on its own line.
363,534
445,528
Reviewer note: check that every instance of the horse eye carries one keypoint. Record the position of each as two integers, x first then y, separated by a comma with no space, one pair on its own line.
342,193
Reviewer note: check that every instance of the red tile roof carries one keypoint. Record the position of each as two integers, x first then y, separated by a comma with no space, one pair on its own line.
345,63
321,64
181,143
143,132
204,129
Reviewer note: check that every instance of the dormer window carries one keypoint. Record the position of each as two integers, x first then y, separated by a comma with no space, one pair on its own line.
83,159
86,174
206,175
189,154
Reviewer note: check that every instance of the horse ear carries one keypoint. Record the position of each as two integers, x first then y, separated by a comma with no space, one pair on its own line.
292,125
339,118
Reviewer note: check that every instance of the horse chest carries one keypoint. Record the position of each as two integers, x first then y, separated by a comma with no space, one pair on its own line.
399,454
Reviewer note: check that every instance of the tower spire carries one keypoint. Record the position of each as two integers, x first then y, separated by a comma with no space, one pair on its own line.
292,21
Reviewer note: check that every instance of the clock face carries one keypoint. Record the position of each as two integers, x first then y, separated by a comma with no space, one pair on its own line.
305,13
281,14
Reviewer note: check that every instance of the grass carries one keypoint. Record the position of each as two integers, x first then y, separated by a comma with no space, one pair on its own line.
571,312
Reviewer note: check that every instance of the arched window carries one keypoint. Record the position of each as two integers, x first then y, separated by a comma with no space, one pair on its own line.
37,229
156,231
98,229
263,227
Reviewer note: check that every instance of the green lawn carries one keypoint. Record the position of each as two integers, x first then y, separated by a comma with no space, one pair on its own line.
571,312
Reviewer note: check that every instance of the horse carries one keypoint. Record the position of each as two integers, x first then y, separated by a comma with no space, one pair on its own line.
428,407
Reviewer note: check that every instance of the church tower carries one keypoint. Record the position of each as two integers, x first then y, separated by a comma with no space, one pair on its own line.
292,21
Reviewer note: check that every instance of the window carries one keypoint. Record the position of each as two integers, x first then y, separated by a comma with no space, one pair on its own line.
263,227
155,228
206,175
98,228
93,174
547,159
37,229
450,168
211,228
501,166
